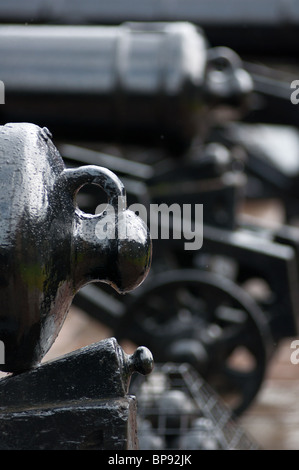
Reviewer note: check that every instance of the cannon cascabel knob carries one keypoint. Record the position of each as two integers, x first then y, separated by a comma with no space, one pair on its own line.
49,248
141,361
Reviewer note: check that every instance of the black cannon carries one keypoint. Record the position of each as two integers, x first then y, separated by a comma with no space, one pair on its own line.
49,250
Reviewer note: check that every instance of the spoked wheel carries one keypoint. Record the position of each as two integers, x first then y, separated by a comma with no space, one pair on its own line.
205,320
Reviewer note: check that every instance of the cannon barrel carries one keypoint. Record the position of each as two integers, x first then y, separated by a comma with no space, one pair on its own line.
140,83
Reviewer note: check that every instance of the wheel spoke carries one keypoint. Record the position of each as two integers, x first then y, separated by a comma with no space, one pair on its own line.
195,306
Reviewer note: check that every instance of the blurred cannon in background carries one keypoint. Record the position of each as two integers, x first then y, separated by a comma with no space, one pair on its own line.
156,84
133,83
48,250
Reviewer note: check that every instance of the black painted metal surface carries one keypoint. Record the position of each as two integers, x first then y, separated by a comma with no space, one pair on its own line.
78,401
49,248
178,410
